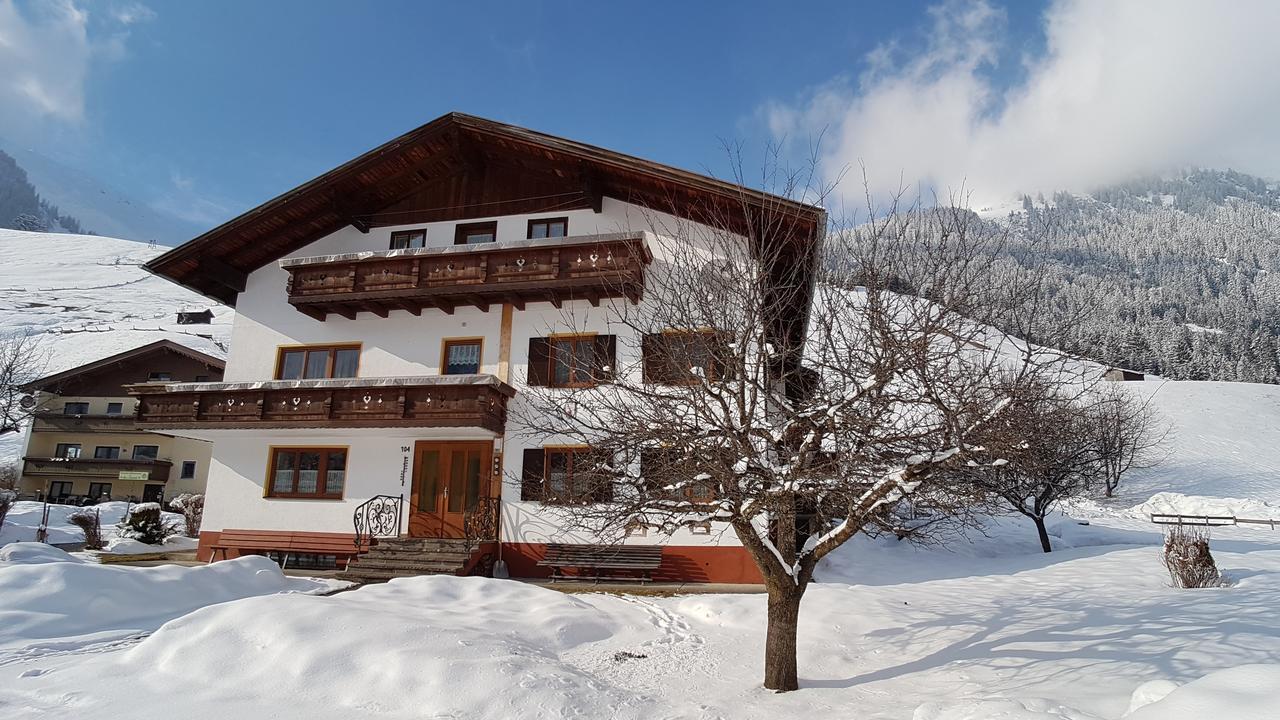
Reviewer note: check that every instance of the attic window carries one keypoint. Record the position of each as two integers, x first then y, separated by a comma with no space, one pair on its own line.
159,377
408,239
474,233
548,228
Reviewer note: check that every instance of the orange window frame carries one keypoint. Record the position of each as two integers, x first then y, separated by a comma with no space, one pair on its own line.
307,350
321,480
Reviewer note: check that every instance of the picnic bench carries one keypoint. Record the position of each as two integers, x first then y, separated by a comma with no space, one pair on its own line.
282,541
593,559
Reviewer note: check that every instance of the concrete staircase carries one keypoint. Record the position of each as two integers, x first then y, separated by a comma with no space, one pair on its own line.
407,557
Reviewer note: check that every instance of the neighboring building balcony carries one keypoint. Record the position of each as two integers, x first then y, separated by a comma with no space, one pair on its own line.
478,401
588,267
61,422
114,468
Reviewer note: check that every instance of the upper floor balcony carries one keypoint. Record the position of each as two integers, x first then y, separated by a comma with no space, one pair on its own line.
587,267
49,421
478,401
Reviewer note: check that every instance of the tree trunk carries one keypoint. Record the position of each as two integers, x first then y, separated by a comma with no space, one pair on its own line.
780,639
1044,534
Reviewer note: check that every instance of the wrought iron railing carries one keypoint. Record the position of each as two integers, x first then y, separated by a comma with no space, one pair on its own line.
480,522
379,516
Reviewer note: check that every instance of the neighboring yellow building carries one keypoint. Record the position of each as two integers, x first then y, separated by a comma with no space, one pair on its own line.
84,445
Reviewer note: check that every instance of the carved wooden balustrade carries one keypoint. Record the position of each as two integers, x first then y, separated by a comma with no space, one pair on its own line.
446,401
554,270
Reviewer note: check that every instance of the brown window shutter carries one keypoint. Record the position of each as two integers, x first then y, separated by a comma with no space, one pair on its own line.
531,475
602,478
539,361
606,356
655,362
722,356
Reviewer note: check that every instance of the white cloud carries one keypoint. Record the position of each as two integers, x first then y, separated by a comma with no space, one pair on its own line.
1121,88
46,55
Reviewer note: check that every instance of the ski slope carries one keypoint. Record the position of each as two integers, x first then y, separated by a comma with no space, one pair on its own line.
86,297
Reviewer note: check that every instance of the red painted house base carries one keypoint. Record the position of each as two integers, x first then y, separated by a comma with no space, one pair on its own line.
680,563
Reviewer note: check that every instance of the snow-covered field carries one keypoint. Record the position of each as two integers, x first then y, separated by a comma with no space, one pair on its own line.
88,297
988,628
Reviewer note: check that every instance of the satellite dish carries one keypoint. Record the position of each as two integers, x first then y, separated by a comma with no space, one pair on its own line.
26,402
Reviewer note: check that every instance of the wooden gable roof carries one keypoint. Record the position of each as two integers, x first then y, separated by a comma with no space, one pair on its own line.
460,166
136,355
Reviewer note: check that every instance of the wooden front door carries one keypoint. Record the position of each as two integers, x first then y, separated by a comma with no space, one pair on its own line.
449,478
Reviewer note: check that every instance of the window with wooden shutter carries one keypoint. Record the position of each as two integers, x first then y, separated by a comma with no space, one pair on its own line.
566,476
684,357
664,468
531,475
572,360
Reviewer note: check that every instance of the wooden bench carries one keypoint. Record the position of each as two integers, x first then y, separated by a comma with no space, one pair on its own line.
283,541
643,559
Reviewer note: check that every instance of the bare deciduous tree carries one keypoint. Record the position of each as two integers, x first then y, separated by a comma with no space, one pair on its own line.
1129,435
734,401
22,361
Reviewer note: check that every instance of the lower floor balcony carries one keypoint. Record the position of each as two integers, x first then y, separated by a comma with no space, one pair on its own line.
475,401
140,469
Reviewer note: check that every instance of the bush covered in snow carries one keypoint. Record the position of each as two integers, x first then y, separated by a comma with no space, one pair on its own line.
191,505
7,499
146,524
1186,554
91,523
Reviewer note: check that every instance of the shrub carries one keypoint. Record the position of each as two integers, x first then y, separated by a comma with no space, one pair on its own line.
191,505
91,524
146,524
7,499
1186,555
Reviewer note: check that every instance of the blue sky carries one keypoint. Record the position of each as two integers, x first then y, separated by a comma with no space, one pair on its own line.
237,101
204,109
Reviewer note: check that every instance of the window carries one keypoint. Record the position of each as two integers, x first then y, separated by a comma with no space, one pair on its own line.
311,363
99,491
59,488
75,408
565,476
106,453
571,360
307,472
680,357
675,475
159,377
473,233
69,451
408,239
548,228
202,378
146,452
115,408
461,357
188,469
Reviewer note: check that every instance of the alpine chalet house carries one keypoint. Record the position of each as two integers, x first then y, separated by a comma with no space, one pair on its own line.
84,444
388,313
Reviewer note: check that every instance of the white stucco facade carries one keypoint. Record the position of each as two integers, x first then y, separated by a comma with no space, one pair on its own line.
379,459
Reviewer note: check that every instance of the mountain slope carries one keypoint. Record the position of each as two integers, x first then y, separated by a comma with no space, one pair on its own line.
1181,276
86,297
98,206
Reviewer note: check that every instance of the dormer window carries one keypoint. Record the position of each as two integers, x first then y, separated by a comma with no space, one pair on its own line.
408,239
475,233
548,228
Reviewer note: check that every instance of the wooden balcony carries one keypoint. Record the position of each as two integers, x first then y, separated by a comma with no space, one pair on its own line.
61,422
157,470
478,401
589,267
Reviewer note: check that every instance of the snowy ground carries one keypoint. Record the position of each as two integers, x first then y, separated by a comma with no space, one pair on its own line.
87,297
24,519
891,631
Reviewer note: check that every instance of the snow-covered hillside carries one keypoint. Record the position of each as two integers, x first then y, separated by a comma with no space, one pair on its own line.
87,297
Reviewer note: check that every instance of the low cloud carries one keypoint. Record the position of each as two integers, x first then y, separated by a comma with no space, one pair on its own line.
47,50
1119,89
